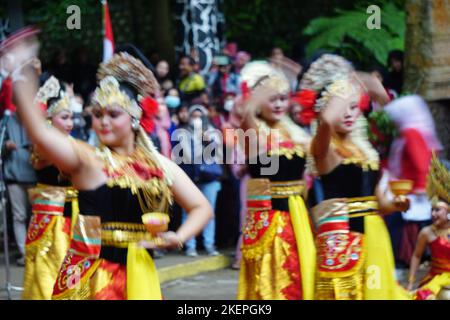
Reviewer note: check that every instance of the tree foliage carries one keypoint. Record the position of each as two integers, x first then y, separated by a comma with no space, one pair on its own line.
51,17
346,33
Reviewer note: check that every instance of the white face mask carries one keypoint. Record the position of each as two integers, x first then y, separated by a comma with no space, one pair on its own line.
228,105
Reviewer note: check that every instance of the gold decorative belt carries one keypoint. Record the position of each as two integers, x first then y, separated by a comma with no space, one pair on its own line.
341,209
284,189
121,234
362,206
261,191
71,193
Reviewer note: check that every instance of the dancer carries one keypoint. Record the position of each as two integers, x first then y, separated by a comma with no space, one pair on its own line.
52,200
278,247
436,236
117,183
409,158
354,254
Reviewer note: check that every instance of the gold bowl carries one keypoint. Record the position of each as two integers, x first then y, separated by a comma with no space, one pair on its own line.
156,222
401,187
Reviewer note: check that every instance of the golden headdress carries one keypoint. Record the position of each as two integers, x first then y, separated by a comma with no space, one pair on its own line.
438,181
52,89
123,67
257,73
330,76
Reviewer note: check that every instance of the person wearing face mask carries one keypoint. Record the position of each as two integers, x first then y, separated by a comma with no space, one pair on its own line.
79,123
172,99
436,237
53,200
352,239
203,170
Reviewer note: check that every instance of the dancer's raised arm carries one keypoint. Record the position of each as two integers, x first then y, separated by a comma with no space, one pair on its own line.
52,144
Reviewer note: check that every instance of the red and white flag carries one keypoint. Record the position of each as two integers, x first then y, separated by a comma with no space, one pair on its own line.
108,40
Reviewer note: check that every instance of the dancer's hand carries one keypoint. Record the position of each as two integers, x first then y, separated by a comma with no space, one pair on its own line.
19,54
401,203
372,85
167,240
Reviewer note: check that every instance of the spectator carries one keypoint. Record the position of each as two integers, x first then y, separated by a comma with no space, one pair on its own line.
172,99
162,125
191,85
19,176
395,76
163,75
223,81
204,172
242,58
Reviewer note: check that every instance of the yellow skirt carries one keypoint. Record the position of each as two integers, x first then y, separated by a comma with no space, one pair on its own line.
44,254
47,242
278,255
374,279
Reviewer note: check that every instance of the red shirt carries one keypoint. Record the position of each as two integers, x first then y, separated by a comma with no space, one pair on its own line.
6,96
416,159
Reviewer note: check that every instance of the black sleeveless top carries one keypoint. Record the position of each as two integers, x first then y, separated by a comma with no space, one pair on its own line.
111,204
290,167
51,176
346,181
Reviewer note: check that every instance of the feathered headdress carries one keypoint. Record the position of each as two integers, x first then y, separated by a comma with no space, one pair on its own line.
438,181
123,67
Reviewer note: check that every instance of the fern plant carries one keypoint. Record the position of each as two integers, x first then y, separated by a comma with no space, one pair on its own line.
347,34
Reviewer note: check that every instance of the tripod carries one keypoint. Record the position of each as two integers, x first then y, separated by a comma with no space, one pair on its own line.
8,285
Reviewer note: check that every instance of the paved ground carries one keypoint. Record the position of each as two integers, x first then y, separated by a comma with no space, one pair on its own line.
220,284
215,285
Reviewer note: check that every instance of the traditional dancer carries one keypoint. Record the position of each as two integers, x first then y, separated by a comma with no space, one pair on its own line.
52,200
278,255
354,254
436,236
118,182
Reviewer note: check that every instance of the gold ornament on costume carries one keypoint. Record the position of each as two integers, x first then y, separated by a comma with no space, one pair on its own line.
438,181
108,93
342,88
52,89
139,172
258,73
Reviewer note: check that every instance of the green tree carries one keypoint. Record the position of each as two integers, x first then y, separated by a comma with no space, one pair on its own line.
346,33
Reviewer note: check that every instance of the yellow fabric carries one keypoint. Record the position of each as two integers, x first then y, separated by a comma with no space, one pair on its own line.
43,259
142,277
340,288
262,276
305,244
75,212
437,283
380,282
